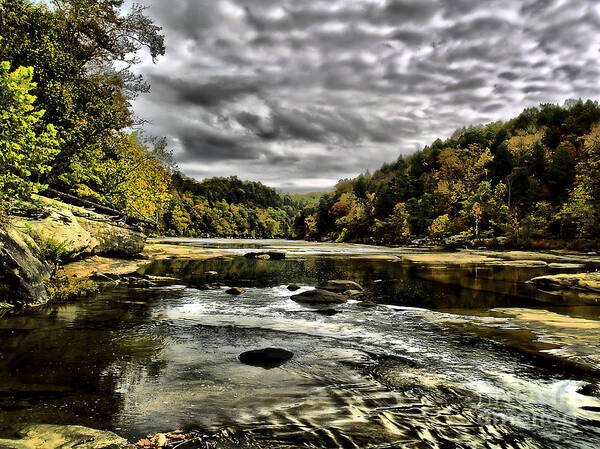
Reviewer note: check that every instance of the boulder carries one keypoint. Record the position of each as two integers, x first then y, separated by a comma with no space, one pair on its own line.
565,266
353,293
46,436
501,241
235,291
585,282
592,390
266,358
340,286
21,274
457,241
293,287
367,304
319,296
83,233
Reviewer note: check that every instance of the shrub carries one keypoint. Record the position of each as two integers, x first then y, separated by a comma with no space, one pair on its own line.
61,287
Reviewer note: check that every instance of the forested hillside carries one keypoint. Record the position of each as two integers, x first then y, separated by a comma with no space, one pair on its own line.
66,121
534,179
228,207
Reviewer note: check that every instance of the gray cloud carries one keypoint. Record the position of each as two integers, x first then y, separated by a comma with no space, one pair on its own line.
300,94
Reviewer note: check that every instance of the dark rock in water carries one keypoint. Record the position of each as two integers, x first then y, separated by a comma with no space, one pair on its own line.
21,274
590,390
235,291
266,358
327,312
293,287
341,286
208,287
274,255
367,304
318,296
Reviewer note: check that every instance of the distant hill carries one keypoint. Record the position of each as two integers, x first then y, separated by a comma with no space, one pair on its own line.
228,207
308,198
535,177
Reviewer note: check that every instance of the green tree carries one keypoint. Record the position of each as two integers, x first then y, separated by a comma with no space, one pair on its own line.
76,46
25,149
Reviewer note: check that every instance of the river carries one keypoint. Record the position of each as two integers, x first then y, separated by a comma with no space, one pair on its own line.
403,374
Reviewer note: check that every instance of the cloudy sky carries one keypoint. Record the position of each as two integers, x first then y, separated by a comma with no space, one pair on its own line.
300,93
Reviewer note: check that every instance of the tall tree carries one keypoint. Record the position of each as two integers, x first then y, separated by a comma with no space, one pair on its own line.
25,150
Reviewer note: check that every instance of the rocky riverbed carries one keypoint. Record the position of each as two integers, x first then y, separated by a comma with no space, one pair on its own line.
166,348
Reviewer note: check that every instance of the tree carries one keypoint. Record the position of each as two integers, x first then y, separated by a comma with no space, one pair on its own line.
583,206
136,177
440,228
395,229
75,47
461,170
478,205
25,149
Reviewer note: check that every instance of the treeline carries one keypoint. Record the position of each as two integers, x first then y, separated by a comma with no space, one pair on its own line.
534,180
66,119
228,207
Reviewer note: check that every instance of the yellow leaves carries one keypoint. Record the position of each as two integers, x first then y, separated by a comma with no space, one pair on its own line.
165,439
461,170
311,224
135,179
522,145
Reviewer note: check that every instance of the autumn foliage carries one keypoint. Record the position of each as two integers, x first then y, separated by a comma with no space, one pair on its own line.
533,178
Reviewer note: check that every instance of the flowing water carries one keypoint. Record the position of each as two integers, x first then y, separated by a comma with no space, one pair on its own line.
139,361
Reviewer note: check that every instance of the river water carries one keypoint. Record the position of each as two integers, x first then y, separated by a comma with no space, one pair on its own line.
145,360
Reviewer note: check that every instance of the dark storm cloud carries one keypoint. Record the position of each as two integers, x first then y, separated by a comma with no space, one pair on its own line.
410,10
211,93
301,93
200,143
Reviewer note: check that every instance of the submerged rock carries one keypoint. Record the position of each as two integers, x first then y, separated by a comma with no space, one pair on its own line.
266,358
327,312
367,304
21,274
274,255
341,286
293,287
235,291
46,436
318,296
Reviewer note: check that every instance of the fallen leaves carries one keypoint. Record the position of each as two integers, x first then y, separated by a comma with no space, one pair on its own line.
164,440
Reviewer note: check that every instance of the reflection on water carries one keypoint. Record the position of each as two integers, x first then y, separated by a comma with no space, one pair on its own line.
146,360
